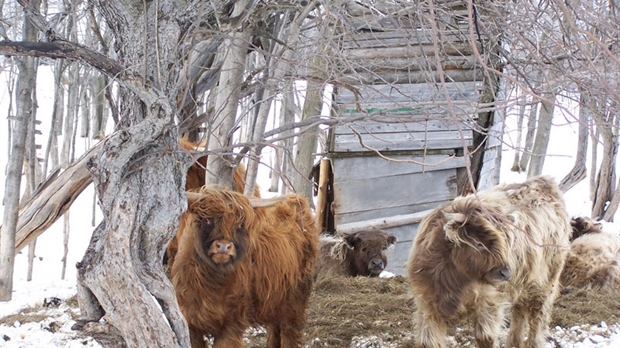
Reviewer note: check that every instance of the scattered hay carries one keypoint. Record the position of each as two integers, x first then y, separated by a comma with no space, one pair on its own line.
377,312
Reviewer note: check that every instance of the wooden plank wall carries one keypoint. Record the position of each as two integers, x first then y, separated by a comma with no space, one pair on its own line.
403,152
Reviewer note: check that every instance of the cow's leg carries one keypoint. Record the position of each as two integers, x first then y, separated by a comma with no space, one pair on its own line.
196,338
284,336
430,331
539,317
488,322
231,338
274,339
518,324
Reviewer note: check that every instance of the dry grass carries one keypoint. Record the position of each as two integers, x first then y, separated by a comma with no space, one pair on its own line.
342,310
377,312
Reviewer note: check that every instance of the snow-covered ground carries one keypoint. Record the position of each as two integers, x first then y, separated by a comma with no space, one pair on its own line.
56,330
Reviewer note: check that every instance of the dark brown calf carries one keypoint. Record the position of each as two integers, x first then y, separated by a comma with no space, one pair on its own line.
356,254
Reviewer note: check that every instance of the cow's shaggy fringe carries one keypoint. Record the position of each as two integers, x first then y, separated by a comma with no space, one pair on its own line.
265,279
195,179
482,255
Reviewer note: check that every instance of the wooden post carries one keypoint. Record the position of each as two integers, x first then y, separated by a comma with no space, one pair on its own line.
322,192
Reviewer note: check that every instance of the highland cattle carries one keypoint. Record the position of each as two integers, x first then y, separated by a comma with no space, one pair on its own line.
195,179
354,254
593,259
488,253
240,264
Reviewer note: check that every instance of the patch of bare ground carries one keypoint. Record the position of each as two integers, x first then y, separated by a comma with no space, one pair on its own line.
378,312
372,313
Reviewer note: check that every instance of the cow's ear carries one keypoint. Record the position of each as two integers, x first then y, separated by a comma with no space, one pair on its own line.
351,240
453,223
391,239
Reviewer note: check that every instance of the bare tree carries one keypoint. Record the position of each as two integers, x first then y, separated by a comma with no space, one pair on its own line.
141,165
24,111
168,53
543,133
579,171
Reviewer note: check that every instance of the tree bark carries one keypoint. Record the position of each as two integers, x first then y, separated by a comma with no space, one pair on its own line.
595,135
305,152
287,116
579,170
307,144
219,135
516,165
52,199
543,132
606,174
12,185
25,84
280,68
529,136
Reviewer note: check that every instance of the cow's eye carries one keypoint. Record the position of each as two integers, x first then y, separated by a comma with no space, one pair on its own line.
479,246
206,225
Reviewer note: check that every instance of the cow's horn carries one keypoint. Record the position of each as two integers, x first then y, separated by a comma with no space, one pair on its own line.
266,202
454,217
193,196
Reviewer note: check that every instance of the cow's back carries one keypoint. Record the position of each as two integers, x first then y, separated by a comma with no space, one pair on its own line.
283,258
592,262
541,233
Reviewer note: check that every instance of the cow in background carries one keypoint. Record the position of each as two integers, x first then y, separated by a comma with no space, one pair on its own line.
593,259
485,253
584,225
195,179
355,254
239,264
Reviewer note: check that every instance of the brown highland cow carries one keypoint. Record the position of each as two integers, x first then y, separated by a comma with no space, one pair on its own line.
483,254
239,265
195,179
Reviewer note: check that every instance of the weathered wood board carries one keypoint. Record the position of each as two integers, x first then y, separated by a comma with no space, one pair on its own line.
374,127
398,254
389,39
410,64
418,91
360,168
402,141
401,190
407,93
359,216
403,77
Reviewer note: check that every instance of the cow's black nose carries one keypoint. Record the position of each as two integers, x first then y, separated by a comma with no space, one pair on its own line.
505,273
377,263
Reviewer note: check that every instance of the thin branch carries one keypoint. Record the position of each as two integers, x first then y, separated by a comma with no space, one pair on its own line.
61,49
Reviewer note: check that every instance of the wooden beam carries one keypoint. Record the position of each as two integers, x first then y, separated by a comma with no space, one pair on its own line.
381,223
322,192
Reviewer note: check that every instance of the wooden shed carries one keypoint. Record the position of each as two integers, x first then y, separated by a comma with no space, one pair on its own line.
415,110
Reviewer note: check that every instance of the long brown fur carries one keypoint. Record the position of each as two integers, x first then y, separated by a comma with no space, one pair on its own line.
356,254
482,255
583,225
195,179
266,281
592,263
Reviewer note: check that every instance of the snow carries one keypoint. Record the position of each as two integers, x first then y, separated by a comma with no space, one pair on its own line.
56,331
